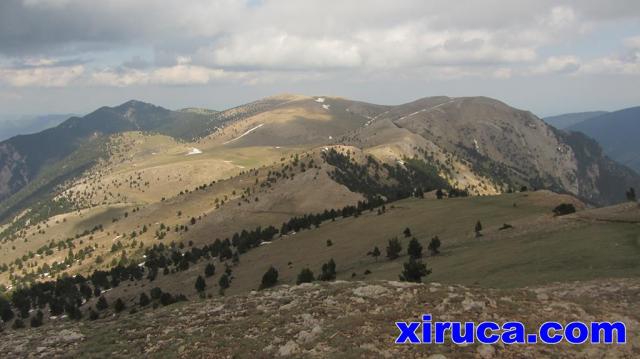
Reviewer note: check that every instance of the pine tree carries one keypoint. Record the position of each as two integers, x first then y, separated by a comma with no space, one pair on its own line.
478,229
37,320
439,194
224,282
434,245
375,253
18,324
209,270
413,271
305,276
200,284
393,248
119,306
631,195
102,303
415,249
144,300
407,232
6,313
328,271
270,278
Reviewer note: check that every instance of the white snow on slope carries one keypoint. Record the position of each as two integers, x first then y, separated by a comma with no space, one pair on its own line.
194,151
320,99
244,134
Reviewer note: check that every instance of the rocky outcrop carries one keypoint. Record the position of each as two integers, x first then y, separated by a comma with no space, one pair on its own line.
338,320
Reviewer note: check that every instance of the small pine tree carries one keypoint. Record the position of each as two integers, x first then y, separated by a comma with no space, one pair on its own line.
328,271
209,270
329,243
270,278
93,315
18,324
413,271
305,276
439,194
375,253
478,229
415,249
102,303
407,232
393,249
119,306
631,195
200,284
144,300
6,313
434,246
37,320
224,282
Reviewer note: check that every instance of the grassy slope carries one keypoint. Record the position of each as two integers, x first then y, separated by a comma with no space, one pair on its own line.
539,249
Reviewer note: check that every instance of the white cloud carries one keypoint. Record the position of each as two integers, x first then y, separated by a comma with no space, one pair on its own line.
57,76
558,65
181,74
275,49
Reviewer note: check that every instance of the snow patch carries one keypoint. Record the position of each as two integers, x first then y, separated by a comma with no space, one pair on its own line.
244,134
320,99
475,144
194,151
326,107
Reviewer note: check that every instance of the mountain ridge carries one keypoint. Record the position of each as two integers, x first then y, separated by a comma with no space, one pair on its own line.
616,133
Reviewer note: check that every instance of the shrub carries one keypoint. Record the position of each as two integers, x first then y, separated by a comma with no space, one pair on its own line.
102,303
270,278
328,271
305,276
144,300
393,248
434,245
200,284
563,209
119,306
209,270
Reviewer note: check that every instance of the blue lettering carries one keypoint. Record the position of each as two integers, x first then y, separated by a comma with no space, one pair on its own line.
407,332
482,336
544,333
513,333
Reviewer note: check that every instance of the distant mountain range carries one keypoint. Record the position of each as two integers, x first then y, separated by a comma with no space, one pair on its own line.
483,142
617,132
565,120
78,140
22,125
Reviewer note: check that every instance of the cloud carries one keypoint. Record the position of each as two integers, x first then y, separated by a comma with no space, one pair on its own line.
558,65
48,76
274,49
256,42
184,73
626,62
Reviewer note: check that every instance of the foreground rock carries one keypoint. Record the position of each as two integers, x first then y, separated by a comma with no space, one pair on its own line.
340,319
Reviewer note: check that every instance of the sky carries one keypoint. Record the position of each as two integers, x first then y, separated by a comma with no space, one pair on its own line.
549,57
